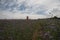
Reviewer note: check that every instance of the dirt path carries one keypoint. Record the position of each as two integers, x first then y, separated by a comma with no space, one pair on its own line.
35,34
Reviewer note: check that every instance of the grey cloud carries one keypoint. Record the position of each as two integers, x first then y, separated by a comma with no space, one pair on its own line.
23,7
7,4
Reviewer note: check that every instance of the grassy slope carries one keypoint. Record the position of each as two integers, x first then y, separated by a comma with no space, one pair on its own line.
43,29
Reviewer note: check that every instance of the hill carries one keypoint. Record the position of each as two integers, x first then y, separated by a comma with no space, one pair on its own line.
40,29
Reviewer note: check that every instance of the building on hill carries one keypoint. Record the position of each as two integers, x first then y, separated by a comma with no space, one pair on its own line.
27,18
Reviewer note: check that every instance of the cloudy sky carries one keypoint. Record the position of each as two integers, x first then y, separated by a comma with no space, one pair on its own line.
19,9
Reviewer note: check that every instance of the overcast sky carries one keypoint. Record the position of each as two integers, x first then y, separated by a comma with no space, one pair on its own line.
19,9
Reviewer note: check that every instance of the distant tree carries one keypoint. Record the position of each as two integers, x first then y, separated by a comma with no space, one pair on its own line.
55,17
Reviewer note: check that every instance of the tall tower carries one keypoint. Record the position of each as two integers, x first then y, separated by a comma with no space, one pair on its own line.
27,18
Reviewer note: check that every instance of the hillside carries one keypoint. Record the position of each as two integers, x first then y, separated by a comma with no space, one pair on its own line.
40,29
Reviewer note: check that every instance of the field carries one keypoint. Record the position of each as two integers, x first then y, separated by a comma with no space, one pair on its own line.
40,29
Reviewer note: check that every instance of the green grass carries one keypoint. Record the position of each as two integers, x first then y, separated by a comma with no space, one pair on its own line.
22,30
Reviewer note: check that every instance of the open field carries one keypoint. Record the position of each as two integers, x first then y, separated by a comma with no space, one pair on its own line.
40,29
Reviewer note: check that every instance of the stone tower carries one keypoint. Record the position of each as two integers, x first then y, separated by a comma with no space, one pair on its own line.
27,18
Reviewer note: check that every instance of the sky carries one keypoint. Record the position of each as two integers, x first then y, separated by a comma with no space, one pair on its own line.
19,9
